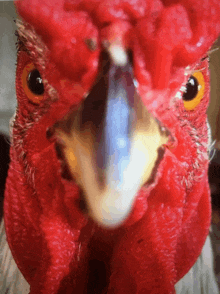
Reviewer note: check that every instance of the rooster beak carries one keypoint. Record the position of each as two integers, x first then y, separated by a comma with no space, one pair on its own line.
112,163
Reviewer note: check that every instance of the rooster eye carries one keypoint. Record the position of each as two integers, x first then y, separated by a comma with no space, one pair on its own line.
191,89
35,82
32,83
194,91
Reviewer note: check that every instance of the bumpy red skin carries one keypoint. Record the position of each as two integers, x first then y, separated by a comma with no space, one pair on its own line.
50,239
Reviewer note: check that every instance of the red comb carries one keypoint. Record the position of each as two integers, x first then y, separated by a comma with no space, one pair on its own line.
171,33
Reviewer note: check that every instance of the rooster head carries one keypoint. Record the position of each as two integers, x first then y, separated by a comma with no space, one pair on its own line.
110,141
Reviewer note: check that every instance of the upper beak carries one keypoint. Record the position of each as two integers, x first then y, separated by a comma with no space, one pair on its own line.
113,158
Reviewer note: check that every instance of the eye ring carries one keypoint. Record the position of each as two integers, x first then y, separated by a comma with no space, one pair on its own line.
195,89
33,92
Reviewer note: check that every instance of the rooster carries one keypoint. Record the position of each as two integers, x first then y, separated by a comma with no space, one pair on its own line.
107,190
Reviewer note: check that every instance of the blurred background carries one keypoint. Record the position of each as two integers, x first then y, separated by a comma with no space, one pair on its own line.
7,84
8,106
7,63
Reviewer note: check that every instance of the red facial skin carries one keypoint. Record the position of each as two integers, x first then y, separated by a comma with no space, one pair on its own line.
51,241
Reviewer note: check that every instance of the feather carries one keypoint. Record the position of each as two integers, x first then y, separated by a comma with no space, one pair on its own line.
12,280
199,280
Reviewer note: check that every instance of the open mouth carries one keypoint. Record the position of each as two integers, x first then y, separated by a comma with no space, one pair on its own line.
110,145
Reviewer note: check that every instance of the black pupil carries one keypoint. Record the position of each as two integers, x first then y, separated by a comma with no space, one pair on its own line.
35,82
191,89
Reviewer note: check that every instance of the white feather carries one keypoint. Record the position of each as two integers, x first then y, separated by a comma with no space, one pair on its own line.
201,278
11,279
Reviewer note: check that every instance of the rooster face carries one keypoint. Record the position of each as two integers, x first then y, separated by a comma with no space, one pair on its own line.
111,122
111,115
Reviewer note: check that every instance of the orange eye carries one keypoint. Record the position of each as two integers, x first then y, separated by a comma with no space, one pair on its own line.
32,83
194,93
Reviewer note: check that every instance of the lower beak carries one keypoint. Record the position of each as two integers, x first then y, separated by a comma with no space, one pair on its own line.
111,162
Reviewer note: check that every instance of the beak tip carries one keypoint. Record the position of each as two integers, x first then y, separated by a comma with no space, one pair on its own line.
110,215
109,221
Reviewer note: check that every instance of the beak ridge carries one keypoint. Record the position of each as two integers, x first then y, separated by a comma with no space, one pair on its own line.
111,170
